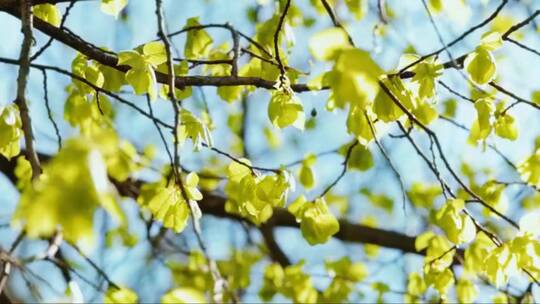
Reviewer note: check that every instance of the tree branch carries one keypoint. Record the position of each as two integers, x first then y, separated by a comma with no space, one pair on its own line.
214,204
24,70
72,40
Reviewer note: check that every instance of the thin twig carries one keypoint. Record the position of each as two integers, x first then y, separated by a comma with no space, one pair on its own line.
49,111
335,21
281,66
51,39
458,39
388,160
343,170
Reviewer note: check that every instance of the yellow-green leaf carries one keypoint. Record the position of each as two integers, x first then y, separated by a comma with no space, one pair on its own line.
505,127
73,185
183,295
198,42
286,109
10,131
480,65
530,169
155,52
166,204
466,291
317,223
120,296
113,7
48,13
326,45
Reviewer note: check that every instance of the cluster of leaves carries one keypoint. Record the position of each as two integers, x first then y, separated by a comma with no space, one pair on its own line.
77,181
317,223
254,197
484,256
73,185
168,203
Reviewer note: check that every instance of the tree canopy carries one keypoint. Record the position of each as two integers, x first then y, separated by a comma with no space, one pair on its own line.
270,150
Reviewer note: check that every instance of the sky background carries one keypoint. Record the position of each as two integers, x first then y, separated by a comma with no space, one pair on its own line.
130,267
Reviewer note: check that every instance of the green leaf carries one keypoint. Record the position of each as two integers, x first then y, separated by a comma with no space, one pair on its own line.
354,78
306,175
292,282
155,53
113,7
384,107
73,185
142,80
505,127
441,280
114,79
254,197
194,128
190,186
425,113
379,200
466,291
450,107
132,59
491,41
481,127
345,274
285,109
358,125
346,269
436,6
426,74
422,195
422,241
142,76
120,296
166,204
476,253
360,159
500,264
326,45
416,284
183,295
296,208
500,298
317,223
458,227
527,247
48,13
481,66
535,97
10,131
94,76
530,169
23,172
438,253
198,42
358,8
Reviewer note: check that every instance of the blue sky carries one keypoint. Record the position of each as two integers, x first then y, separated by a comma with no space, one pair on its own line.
129,266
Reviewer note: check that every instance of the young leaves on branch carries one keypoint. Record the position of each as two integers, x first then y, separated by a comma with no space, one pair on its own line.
167,202
317,223
67,194
10,131
480,64
143,62
252,196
